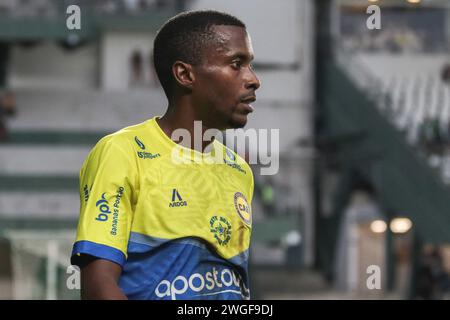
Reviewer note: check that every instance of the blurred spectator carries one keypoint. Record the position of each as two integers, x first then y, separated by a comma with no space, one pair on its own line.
268,197
9,102
425,286
143,4
445,77
431,137
131,5
445,74
3,131
407,39
7,108
400,32
433,281
137,68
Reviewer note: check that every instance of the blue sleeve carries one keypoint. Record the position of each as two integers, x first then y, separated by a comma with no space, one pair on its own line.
97,250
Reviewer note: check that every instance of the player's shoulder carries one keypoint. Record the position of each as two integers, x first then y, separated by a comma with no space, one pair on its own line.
123,138
234,160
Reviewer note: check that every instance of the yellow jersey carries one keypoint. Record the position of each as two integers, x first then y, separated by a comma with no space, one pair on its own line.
178,221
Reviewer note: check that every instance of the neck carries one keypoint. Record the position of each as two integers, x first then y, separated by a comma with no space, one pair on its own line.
181,114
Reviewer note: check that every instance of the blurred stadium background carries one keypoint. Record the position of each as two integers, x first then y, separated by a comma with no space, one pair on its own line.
364,119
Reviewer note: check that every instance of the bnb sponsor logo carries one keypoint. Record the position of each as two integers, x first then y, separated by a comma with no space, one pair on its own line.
103,206
139,143
231,161
143,154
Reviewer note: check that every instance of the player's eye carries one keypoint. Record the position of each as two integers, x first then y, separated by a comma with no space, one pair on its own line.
236,64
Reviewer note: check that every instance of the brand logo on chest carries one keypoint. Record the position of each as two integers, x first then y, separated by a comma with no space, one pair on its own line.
177,200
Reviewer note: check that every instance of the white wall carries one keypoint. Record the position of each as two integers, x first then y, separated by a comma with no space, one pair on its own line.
116,49
53,205
42,160
84,110
49,65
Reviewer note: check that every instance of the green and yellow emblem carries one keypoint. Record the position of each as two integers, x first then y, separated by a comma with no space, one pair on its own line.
221,229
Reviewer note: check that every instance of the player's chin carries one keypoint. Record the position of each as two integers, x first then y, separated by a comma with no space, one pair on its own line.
238,120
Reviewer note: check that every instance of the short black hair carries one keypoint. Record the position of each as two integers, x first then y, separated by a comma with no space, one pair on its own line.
183,37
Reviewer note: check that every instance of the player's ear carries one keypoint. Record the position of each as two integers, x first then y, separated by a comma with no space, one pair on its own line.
183,74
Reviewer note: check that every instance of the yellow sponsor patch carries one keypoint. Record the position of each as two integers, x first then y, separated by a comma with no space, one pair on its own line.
243,208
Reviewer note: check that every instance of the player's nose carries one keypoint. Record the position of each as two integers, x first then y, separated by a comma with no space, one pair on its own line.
252,80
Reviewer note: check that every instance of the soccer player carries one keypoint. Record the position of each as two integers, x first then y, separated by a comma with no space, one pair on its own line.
151,227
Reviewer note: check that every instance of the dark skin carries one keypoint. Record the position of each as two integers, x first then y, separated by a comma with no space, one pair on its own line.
218,92
99,279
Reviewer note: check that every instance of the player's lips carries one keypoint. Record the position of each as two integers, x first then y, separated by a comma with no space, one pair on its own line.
246,102
249,99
